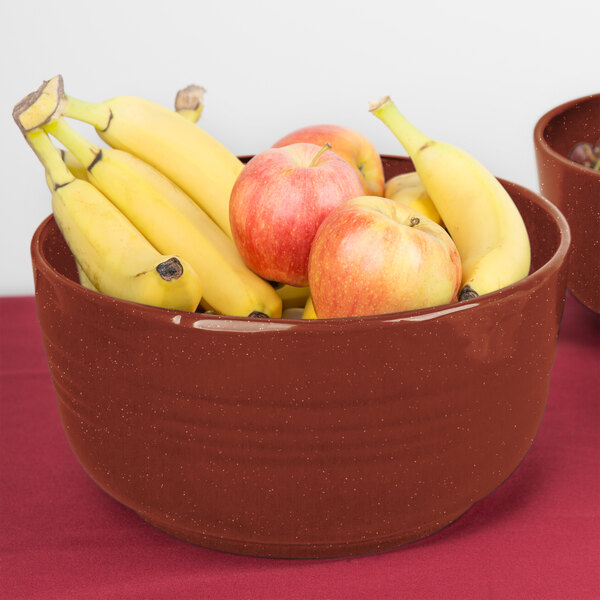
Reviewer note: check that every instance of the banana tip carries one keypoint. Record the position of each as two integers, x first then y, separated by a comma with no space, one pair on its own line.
170,269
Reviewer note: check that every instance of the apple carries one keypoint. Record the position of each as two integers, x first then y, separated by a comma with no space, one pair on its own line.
373,255
278,202
349,144
409,188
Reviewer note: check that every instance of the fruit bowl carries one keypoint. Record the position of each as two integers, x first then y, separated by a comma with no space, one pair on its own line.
574,188
289,438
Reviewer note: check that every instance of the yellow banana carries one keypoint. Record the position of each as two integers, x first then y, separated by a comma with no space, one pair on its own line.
195,161
409,188
309,310
172,222
292,296
189,103
115,256
479,214
83,278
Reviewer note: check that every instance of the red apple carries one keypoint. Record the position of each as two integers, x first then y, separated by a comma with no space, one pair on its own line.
349,144
278,202
374,255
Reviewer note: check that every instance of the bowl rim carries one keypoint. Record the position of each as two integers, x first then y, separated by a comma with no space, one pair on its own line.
544,120
254,324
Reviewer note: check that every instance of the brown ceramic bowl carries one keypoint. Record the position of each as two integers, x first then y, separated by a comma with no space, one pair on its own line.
286,438
575,189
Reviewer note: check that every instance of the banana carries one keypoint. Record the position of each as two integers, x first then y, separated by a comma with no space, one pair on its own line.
309,310
292,296
116,258
189,103
83,278
409,188
172,222
195,161
480,215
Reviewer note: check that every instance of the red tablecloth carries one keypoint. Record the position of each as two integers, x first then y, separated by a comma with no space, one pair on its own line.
62,537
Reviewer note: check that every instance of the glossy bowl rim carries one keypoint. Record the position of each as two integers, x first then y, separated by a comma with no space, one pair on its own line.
265,324
544,146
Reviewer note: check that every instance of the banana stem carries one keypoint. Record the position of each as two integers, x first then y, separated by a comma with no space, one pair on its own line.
408,135
41,106
94,113
84,151
189,102
50,157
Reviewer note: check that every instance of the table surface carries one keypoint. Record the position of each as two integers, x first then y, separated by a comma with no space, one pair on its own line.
536,536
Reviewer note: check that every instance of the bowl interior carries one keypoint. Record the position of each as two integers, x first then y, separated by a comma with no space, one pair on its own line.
571,123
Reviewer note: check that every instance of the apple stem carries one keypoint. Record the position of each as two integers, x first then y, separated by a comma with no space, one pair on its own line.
326,147
414,221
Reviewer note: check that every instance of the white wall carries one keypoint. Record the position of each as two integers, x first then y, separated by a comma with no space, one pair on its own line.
475,74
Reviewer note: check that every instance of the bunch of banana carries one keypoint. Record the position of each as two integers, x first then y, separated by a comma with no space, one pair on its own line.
189,103
478,212
162,213
115,256
191,158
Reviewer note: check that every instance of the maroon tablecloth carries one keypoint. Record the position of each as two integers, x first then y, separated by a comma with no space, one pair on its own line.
62,537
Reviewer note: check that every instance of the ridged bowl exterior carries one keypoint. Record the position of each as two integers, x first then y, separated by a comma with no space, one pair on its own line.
304,438
573,188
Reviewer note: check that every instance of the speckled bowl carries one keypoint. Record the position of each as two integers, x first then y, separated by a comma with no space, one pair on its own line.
292,438
575,189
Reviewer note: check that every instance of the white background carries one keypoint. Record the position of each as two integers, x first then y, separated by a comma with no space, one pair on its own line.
475,74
